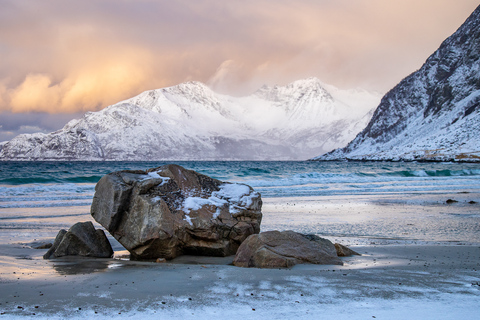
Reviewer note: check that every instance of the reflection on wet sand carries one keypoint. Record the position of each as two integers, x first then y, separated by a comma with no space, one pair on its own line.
73,265
79,265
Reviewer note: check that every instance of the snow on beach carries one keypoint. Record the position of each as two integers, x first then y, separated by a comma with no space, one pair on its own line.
389,282
420,255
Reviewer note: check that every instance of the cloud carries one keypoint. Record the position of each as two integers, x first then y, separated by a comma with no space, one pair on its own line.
49,122
13,124
3,90
64,56
90,79
89,89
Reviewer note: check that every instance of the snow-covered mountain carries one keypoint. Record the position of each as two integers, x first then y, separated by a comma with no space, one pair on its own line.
191,122
433,114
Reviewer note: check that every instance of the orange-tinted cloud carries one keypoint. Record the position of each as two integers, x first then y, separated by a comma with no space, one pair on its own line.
92,84
65,57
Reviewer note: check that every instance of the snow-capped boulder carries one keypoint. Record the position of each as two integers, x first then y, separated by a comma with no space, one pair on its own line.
169,211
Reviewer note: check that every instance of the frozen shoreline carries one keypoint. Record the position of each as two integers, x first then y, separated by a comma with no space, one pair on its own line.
420,260
393,281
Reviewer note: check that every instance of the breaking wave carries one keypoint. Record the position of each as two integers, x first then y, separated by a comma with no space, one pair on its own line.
53,184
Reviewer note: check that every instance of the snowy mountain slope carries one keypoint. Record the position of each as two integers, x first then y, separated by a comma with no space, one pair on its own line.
191,122
433,114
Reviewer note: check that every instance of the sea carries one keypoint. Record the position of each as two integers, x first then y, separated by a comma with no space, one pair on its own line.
357,202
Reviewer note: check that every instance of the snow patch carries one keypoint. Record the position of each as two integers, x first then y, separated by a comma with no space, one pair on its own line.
155,175
196,203
236,196
188,219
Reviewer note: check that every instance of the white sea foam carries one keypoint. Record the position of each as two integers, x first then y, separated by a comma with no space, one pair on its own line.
424,187
288,183
46,195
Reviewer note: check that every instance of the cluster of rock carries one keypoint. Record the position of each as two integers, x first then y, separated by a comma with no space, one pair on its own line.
168,211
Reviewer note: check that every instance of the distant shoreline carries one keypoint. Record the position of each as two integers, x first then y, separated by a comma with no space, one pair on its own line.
230,160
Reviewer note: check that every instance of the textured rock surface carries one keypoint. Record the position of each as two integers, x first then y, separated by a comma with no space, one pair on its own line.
80,240
343,251
433,114
275,249
168,211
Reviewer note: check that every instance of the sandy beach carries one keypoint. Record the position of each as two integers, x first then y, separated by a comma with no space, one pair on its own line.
420,258
386,282
192,127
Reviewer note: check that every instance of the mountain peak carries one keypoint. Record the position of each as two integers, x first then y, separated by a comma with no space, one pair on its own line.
189,88
191,122
311,82
434,113
297,92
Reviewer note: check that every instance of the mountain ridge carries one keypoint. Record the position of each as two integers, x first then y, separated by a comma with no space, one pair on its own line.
431,115
190,121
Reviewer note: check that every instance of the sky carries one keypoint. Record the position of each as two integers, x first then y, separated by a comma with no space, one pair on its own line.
59,59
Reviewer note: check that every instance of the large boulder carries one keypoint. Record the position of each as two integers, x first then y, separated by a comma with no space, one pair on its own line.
275,249
80,240
168,211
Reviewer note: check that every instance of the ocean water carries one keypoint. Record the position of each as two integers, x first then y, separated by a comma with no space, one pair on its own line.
360,200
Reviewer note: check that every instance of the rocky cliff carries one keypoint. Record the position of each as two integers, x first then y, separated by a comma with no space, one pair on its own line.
433,114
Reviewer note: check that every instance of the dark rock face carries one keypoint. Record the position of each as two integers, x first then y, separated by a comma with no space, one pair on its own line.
168,211
43,246
433,114
80,240
275,249
343,251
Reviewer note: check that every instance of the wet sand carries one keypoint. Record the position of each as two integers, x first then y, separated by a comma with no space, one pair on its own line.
420,260
435,281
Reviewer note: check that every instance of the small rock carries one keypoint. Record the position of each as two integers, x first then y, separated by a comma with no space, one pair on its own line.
450,201
343,251
43,246
80,240
275,249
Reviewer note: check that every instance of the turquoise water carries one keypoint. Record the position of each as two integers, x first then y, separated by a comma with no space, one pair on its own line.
353,200
53,184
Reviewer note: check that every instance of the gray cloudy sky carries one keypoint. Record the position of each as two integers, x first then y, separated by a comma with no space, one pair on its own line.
62,58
